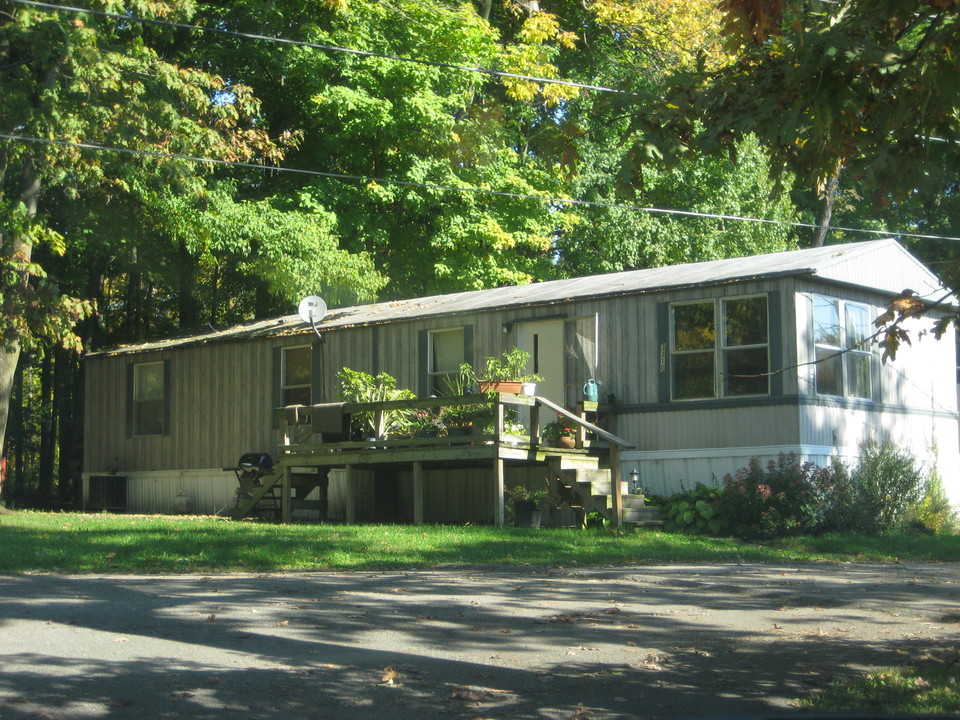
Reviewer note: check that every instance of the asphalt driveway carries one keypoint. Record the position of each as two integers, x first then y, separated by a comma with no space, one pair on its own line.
650,642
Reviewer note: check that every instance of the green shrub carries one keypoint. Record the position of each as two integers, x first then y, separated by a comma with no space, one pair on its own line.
934,511
887,486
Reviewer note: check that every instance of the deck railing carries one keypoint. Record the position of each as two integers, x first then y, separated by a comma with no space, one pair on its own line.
395,423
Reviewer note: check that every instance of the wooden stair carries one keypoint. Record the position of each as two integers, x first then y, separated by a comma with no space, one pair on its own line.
585,487
263,497
257,498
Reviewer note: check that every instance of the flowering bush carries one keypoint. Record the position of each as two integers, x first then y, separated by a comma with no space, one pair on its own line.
785,498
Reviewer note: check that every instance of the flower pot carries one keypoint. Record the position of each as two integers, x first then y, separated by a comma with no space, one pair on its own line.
526,514
529,389
566,442
502,386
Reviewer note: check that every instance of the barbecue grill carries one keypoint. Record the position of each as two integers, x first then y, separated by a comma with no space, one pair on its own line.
250,470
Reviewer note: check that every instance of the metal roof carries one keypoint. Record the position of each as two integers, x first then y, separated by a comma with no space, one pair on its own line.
879,264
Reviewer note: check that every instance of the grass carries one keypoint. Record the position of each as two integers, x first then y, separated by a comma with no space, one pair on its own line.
78,543
922,690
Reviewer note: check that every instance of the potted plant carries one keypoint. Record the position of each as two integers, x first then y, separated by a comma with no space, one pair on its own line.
560,433
426,423
361,387
506,373
463,419
526,504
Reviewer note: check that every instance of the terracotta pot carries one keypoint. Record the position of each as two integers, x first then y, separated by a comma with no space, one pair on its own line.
566,442
503,387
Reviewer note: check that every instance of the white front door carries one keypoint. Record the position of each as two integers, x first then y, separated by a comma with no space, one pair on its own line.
544,341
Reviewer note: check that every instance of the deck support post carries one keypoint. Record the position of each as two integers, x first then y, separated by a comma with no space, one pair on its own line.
286,512
498,488
417,492
350,495
616,495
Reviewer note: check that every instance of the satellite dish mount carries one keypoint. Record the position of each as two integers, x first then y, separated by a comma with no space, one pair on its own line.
312,309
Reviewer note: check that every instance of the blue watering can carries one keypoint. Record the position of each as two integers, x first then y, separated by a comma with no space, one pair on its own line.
591,390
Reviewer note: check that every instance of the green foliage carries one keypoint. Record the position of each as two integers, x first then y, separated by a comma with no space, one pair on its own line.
360,387
886,486
879,495
699,511
859,85
613,239
561,427
934,511
511,366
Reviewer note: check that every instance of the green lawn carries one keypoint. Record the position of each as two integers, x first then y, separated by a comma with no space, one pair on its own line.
927,689
76,543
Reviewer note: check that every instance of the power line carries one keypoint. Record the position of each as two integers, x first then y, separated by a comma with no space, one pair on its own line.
321,46
559,201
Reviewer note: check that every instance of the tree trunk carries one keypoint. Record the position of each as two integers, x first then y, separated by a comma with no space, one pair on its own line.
826,209
483,8
189,307
48,430
20,248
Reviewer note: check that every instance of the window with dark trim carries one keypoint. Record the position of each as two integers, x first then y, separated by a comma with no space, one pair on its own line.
296,375
720,348
445,354
149,398
844,357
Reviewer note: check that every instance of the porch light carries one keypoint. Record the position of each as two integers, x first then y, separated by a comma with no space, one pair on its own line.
634,482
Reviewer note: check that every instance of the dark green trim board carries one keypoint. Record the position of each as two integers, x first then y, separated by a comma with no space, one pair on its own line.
130,399
316,373
661,357
277,384
167,395
375,350
782,400
423,363
468,344
775,340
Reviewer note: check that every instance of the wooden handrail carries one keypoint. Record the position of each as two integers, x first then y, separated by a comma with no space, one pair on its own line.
588,425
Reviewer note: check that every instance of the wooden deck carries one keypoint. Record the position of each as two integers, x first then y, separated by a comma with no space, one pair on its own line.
305,457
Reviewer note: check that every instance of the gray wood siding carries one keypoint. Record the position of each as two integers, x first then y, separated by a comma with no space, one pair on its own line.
223,394
710,428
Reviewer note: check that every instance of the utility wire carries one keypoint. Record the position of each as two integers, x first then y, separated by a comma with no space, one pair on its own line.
559,201
320,46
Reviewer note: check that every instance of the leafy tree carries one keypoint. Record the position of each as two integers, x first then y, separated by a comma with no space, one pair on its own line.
861,86
96,79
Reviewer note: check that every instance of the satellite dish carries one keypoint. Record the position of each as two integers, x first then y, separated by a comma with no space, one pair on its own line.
312,309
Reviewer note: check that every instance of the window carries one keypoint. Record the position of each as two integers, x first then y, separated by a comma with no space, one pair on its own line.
295,375
844,357
720,348
149,398
445,354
